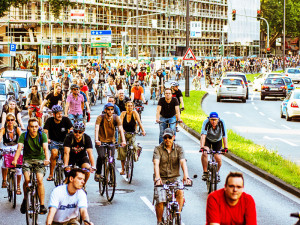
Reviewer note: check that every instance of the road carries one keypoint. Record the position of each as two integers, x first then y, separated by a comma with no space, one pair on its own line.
259,121
132,204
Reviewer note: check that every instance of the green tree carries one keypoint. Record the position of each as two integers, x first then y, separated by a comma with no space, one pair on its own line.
6,4
58,5
272,11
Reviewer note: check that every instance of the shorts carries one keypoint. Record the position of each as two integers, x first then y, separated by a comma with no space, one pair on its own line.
38,114
160,194
122,151
216,146
54,145
76,161
73,221
30,162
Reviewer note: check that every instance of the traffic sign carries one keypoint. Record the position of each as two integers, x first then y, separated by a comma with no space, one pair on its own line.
100,32
188,63
12,48
100,45
189,55
101,38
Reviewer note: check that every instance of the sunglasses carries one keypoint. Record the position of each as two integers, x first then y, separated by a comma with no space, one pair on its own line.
78,132
167,137
110,109
11,120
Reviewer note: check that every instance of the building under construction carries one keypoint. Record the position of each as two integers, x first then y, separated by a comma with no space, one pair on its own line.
33,26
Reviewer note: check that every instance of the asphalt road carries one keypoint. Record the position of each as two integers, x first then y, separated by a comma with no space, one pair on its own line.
132,204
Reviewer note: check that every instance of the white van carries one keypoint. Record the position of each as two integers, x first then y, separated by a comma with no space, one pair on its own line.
24,78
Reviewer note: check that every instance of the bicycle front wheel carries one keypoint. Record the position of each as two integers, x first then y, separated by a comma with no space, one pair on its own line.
56,177
102,182
36,209
209,181
9,188
14,190
110,182
214,178
30,220
130,162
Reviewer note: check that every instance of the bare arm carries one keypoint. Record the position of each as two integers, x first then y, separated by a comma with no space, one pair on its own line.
177,113
97,126
67,108
43,104
51,215
2,133
184,169
132,96
3,119
225,143
20,121
17,155
91,157
66,156
46,152
122,134
181,102
202,140
136,115
156,172
84,215
158,113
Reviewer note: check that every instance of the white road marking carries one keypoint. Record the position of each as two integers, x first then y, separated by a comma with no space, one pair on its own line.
285,126
124,176
255,108
150,206
252,103
261,113
271,120
236,114
280,139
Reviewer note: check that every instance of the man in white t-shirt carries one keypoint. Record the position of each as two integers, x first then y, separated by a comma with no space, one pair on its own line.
67,201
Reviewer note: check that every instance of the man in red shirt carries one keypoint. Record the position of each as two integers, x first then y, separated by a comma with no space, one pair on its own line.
141,76
231,205
137,92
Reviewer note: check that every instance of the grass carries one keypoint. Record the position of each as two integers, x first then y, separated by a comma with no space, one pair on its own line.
251,76
268,160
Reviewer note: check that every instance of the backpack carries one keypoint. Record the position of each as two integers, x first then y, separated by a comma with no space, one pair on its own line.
40,134
114,118
220,123
38,96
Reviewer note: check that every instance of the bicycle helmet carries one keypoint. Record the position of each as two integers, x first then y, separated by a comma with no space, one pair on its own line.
174,84
57,108
73,86
79,125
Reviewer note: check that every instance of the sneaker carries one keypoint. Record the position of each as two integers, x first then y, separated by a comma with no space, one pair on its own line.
23,206
177,129
160,223
204,176
43,210
97,177
218,178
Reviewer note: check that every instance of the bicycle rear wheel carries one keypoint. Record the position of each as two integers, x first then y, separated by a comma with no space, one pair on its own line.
30,220
130,162
110,182
209,181
56,176
36,210
14,190
9,188
102,182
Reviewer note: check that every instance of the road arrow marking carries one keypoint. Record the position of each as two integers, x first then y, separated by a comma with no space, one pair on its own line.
236,114
261,113
280,139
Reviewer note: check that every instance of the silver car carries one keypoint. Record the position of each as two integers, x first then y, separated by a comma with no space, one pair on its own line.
293,73
232,88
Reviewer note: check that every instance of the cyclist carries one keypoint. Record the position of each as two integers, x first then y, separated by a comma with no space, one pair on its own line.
105,132
111,100
141,76
212,132
154,82
35,100
78,149
137,92
110,88
231,205
53,98
121,100
68,201
129,118
56,129
10,134
168,157
66,81
35,150
12,107
42,83
176,93
161,79
167,112
74,104
90,84
178,71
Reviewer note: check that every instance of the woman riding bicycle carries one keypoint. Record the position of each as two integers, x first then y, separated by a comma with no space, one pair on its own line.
10,134
129,119
12,108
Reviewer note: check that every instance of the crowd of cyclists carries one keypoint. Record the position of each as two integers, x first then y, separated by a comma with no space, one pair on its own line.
59,108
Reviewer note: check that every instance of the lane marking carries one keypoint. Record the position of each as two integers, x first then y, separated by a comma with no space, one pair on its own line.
261,113
255,108
150,206
285,126
124,176
236,114
271,119
280,139
252,103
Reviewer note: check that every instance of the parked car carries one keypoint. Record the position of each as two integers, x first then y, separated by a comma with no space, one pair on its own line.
273,87
18,93
290,105
232,88
24,78
289,83
293,73
241,75
6,93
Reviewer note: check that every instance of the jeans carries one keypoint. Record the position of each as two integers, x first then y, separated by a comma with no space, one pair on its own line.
142,83
101,156
164,125
73,117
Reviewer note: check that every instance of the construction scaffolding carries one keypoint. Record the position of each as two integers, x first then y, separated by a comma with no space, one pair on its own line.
34,26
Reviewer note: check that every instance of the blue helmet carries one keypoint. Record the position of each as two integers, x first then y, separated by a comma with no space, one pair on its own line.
57,108
79,125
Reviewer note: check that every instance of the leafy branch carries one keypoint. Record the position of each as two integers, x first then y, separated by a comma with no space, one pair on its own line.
58,5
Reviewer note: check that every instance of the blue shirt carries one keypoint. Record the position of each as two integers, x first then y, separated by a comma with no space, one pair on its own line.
214,135
178,67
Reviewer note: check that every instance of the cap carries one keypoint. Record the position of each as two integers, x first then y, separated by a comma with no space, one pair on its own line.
169,132
213,115
108,105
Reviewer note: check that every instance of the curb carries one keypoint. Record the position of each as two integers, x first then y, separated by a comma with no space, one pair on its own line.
265,175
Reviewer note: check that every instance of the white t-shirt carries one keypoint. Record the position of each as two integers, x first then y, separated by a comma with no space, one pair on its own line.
67,205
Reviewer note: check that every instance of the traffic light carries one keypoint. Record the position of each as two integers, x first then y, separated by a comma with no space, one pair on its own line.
221,50
258,15
126,50
268,50
233,14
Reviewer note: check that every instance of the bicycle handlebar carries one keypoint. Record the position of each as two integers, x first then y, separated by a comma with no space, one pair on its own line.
168,122
109,145
221,151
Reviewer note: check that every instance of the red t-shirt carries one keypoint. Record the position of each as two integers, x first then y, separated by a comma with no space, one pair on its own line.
84,88
218,211
142,75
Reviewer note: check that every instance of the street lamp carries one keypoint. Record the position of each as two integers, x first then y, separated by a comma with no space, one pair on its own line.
284,35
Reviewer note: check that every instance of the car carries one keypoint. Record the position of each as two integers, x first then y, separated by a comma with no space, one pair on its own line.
258,81
289,83
18,93
241,75
232,88
293,73
289,108
6,93
274,87
24,78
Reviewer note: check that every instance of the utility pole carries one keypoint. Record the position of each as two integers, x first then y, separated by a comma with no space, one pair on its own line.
283,35
137,33
50,50
187,68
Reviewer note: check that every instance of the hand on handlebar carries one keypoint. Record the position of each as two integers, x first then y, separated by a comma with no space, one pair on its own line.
98,143
158,182
14,163
123,144
187,181
225,150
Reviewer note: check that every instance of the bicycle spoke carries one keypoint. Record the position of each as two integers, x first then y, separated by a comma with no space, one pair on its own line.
29,209
110,182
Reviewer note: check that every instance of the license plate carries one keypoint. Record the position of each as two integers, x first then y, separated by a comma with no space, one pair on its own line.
273,89
231,89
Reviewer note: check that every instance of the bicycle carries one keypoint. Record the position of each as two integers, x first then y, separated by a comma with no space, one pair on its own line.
33,205
8,154
92,98
58,174
154,94
77,119
171,214
34,111
138,106
129,161
297,215
212,170
100,90
108,181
